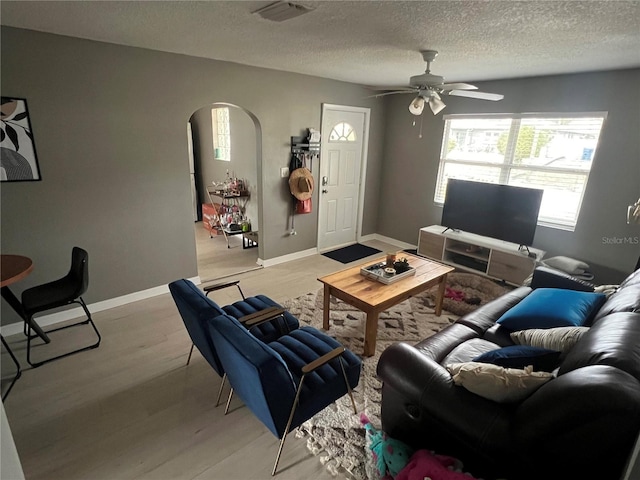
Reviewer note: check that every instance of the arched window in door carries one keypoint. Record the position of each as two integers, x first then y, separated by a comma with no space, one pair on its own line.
342,132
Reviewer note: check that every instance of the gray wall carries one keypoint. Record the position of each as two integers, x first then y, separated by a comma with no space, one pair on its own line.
110,132
411,164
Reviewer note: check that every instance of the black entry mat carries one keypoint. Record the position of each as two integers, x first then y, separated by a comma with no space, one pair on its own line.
351,253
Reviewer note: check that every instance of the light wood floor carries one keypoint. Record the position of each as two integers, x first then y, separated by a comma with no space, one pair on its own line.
132,409
216,261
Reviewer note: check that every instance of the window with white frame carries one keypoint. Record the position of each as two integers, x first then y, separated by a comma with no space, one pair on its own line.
221,133
342,132
553,152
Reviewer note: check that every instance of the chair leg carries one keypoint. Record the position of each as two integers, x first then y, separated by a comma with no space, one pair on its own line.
344,374
286,429
88,321
241,294
27,330
18,372
226,409
224,377
190,352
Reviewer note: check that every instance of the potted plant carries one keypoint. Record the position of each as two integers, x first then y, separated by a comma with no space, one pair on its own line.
401,265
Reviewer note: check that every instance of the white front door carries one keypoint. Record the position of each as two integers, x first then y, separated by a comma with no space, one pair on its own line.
342,160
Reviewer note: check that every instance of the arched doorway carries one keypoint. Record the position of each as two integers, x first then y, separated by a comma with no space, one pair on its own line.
226,142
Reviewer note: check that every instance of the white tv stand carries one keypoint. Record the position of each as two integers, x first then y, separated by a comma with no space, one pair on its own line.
488,256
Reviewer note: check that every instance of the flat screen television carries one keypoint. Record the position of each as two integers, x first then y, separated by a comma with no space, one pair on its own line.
499,211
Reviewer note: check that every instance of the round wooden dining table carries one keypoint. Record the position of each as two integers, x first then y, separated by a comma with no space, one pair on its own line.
12,269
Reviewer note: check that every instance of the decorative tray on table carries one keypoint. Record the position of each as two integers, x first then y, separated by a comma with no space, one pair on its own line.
377,272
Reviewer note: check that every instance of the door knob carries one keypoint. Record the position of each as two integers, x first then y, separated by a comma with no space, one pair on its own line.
324,190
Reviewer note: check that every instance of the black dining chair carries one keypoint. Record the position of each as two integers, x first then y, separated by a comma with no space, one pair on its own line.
58,293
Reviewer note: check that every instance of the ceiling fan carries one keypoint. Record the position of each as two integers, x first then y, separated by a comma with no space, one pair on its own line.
428,88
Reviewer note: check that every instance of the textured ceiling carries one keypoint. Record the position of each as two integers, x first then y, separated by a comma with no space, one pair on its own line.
368,42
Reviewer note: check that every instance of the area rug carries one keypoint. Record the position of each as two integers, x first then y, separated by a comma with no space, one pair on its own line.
467,291
351,253
336,434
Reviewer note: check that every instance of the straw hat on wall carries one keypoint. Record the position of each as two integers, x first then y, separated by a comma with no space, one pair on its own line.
301,183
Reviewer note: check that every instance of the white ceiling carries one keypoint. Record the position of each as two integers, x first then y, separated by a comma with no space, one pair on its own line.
367,42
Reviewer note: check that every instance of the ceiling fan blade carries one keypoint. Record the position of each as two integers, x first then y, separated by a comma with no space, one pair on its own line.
407,88
480,95
391,93
458,86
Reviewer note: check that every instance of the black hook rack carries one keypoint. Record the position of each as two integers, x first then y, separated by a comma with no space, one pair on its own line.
303,145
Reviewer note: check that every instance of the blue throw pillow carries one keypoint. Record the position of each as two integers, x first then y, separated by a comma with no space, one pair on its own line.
519,356
551,308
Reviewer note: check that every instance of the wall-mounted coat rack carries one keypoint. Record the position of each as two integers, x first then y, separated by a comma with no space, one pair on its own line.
303,152
303,145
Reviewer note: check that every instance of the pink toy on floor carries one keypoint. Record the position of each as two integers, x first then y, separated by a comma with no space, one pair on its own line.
457,295
424,465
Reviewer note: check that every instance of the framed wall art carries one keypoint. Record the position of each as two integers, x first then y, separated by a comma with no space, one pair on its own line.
18,159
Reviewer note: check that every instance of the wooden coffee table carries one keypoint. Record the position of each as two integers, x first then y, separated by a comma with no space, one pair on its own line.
373,297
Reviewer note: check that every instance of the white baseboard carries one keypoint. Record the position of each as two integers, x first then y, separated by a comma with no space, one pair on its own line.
366,238
57,317
288,258
392,241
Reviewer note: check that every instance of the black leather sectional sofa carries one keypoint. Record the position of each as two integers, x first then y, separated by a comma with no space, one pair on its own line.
581,424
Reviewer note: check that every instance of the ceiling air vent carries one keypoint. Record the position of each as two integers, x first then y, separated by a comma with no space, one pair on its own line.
280,11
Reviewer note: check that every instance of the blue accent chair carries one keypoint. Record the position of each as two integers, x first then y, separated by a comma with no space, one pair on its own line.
262,316
287,381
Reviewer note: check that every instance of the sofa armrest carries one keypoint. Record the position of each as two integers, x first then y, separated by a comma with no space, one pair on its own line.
428,385
545,277
409,371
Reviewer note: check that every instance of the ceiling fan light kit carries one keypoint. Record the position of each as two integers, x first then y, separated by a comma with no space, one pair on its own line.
436,104
429,87
417,105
